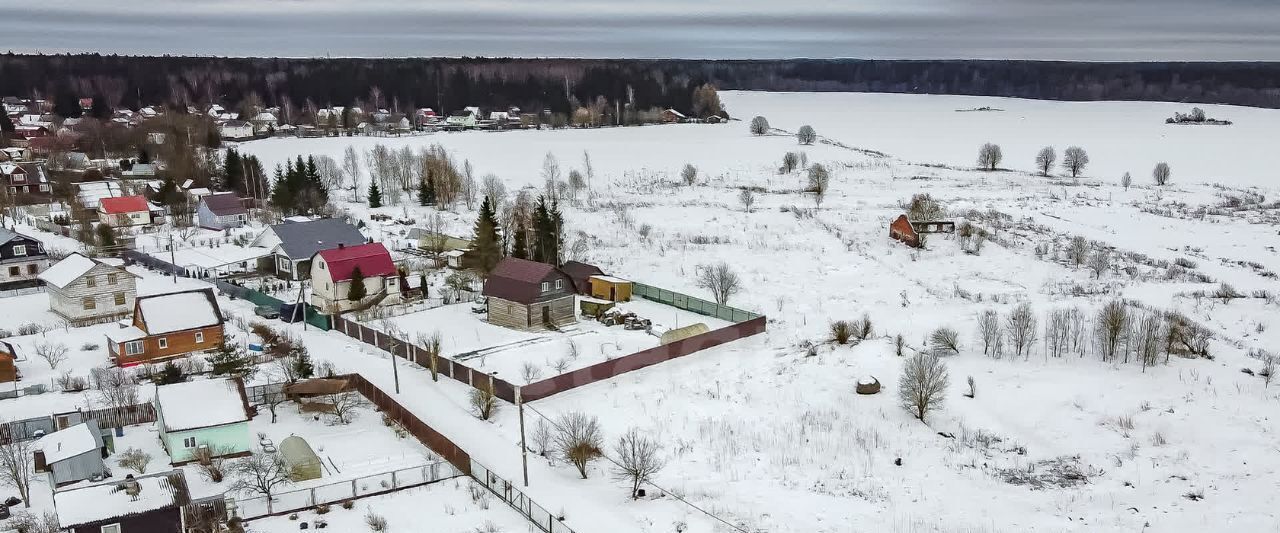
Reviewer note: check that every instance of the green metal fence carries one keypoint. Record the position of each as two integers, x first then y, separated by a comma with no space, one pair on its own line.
690,303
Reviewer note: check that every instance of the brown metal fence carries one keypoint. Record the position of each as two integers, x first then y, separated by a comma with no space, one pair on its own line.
438,443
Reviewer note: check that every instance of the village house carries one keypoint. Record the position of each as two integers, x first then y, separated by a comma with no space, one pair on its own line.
525,294
909,232
293,244
434,242
124,211
333,271
22,259
461,120
673,116
221,211
72,454
166,326
264,122
8,363
24,178
153,503
206,417
86,291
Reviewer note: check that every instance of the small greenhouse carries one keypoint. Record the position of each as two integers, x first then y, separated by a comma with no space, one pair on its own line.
302,462
680,334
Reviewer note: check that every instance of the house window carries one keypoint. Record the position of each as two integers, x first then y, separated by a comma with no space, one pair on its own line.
89,303
546,286
164,343
133,347
559,284
44,187
20,250
33,269
113,278
322,265
199,337
111,528
189,442
15,271
91,281
119,298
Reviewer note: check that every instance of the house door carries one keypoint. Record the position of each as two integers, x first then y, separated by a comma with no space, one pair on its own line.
613,294
546,314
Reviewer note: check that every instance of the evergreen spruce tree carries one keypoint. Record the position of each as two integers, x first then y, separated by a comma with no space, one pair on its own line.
356,291
431,191
302,366
520,243
281,196
233,172
144,156
422,193
228,360
546,220
422,282
99,109
375,194
486,247
106,236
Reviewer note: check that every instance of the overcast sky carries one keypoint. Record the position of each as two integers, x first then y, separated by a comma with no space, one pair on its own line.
1106,30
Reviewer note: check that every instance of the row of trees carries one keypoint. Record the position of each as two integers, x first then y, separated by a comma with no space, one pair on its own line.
1074,161
298,189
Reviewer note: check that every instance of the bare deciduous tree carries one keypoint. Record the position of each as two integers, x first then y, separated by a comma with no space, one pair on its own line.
542,435
1057,333
790,161
345,406
431,344
945,340
1160,174
134,459
689,174
819,180
1078,251
639,459
1110,327
720,279
759,126
989,156
1074,159
1126,180
806,135
530,372
923,386
259,473
1045,160
578,439
746,198
16,466
1021,329
52,353
1147,338
989,331
1100,261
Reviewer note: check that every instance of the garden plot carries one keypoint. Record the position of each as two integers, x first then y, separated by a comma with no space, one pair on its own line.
455,505
527,356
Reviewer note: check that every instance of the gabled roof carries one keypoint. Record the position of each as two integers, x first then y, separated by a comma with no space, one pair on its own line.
179,311
123,204
112,502
7,235
518,280
69,269
373,259
70,442
579,272
301,240
201,403
224,204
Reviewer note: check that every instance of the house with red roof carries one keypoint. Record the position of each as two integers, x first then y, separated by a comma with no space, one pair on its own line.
124,211
334,270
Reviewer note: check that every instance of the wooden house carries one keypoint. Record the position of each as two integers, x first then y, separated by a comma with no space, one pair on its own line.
86,291
333,270
901,230
203,416
22,259
124,211
166,326
152,503
293,244
525,294
221,211
8,363
72,454
610,288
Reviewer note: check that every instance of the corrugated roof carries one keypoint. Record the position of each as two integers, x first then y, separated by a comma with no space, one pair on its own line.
519,280
123,204
224,204
373,260
580,272
111,501
179,311
301,240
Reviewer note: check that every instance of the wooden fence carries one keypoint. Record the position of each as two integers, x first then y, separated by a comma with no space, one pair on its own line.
433,439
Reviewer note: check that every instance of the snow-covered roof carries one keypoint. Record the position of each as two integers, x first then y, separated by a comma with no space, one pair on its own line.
122,205
126,334
611,279
200,404
67,270
179,311
70,442
97,503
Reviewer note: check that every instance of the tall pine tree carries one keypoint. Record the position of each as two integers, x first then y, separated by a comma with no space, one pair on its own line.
547,228
486,247
281,196
233,172
520,243
375,194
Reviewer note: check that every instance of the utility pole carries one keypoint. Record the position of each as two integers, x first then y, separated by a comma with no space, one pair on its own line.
173,261
395,368
524,449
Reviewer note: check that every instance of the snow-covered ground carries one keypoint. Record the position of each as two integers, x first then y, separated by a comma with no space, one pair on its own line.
767,434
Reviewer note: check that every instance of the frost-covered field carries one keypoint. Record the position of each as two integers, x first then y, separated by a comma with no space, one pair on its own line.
760,434
768,435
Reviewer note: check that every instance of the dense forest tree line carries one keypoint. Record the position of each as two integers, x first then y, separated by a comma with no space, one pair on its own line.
564,85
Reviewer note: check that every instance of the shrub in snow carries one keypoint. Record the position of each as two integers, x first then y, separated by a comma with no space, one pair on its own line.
578,439
759,126
376,522
134,459
484,404
945,340
923,386
841,331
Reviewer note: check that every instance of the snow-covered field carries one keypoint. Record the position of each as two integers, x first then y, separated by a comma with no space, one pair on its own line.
767,434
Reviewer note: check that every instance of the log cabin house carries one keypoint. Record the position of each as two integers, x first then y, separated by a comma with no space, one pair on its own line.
529,295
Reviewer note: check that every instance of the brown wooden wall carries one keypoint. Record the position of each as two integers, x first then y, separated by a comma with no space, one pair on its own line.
180,343
430,437
641,359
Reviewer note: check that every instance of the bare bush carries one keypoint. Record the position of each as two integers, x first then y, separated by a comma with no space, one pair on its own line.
1226,293
431,344
806,135
1110,326
542,436
1147,338
1160,174
484,403
923,386
841,331
134,459
52,353
530,372
1126,181
923,207
578,439
862,327
989,331
720,279
1020,326
689,174
819,181
746,198
1045,159
639,457
345,406
376,522
945,340
1099,262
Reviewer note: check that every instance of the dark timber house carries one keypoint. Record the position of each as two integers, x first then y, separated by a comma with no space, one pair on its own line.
529,295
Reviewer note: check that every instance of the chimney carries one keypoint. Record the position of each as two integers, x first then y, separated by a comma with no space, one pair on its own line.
131,487
341,245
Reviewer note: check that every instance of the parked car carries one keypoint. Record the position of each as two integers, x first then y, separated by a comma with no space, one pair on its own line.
292,313
266,311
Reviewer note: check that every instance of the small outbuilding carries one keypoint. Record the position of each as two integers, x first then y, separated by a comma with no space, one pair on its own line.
680,334
301,461
594,307
73,454
902,230
610,288
581,274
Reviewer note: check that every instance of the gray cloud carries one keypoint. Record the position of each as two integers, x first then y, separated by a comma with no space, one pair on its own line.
1106,30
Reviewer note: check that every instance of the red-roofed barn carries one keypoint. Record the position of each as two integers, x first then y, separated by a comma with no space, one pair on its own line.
124,211
529,295
332,271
